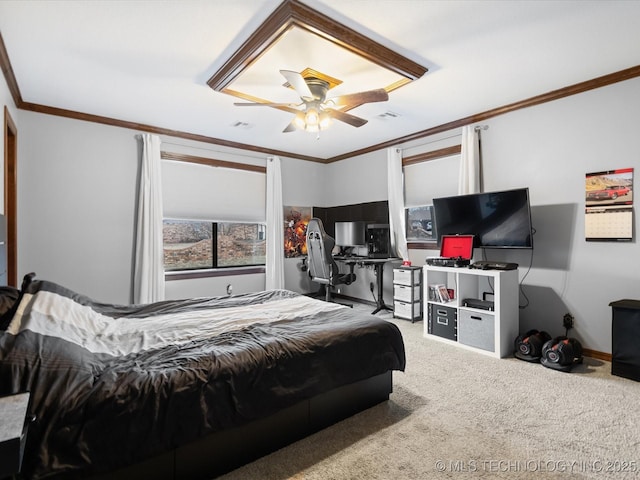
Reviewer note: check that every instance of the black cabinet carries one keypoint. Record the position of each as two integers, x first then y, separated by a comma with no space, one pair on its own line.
13,432
370,212
625,339
442,321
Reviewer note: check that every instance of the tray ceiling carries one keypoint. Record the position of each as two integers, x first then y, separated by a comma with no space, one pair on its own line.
155,64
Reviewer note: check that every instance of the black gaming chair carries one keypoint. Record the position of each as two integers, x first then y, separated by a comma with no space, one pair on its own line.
322,267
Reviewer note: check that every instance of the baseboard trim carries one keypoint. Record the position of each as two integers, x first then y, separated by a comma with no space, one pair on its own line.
349,298
596,354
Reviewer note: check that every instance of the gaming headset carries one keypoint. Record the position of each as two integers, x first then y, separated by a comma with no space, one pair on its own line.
528,347
561,353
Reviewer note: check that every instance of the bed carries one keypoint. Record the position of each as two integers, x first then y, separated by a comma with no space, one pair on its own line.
187,388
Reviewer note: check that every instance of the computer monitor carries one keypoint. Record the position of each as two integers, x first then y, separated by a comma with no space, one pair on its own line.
350,234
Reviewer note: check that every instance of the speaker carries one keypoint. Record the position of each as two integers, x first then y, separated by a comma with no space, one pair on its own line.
561,353
625,338
528,347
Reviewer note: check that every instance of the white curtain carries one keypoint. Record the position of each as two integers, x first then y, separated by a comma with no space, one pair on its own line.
275,226
469,180
395,186
148,284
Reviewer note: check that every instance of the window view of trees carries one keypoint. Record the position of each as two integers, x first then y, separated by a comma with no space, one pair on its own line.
241,244
191,245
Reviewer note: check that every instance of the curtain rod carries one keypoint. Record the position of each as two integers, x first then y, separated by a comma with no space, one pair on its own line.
477,128
138,136
252,157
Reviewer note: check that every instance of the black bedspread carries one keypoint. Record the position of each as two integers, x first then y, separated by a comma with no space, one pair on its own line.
114,384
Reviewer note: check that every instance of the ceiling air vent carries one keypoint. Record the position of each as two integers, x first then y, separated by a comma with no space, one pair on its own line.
242,125
388,116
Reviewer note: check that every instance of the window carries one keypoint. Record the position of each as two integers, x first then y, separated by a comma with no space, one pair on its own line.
234,195
424,181
240,244
194,245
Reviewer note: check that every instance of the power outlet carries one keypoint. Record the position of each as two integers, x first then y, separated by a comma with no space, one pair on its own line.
567,321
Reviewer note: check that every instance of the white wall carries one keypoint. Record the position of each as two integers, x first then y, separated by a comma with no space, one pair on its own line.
77,184
549,148
76,195
302,186
357,180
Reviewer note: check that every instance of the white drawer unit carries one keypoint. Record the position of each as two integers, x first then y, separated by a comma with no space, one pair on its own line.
407,276
407,292
410,311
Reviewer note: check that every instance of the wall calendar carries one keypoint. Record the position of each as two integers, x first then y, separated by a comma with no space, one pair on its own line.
609,205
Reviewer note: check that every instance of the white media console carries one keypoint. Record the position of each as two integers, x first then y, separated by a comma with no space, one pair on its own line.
488,331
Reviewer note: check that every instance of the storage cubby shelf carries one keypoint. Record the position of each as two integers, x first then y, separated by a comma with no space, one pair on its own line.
488,331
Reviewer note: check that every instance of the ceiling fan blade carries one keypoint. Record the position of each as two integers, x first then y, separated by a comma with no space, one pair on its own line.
346,117
256,104
298,83
370,96
291,127
287,107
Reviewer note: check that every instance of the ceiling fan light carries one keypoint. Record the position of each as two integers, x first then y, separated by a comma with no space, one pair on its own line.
325,121
312,128
299,121
312,118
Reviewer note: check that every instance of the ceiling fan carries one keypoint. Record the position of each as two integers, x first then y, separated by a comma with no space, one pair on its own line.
318,110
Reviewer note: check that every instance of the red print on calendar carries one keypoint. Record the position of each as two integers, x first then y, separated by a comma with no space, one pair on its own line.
609,205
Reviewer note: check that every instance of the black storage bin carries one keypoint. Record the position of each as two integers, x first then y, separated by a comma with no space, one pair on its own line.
625,339
443,321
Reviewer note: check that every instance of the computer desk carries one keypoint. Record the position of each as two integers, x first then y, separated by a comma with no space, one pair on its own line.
378,265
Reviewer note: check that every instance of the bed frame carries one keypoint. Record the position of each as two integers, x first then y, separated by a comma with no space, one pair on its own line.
229,449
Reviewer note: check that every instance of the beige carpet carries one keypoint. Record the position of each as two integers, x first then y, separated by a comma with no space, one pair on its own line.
459,414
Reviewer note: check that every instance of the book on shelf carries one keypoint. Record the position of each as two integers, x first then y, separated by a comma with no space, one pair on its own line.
439,293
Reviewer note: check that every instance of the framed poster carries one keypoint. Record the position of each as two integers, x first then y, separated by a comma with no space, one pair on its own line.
421,225
609,205
296,220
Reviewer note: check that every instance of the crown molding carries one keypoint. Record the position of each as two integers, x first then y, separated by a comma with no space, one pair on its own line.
292,13
7,71
602,81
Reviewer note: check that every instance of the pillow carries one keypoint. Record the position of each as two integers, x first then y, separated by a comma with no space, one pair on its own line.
8,296
10,299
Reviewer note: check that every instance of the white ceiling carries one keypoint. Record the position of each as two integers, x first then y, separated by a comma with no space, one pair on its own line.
148,62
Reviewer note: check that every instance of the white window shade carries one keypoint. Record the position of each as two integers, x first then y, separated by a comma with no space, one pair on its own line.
428,180
193,191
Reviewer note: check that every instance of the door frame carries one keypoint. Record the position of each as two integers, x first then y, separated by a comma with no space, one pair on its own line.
10,196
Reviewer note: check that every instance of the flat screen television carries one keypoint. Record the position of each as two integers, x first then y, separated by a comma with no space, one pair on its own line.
495,219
